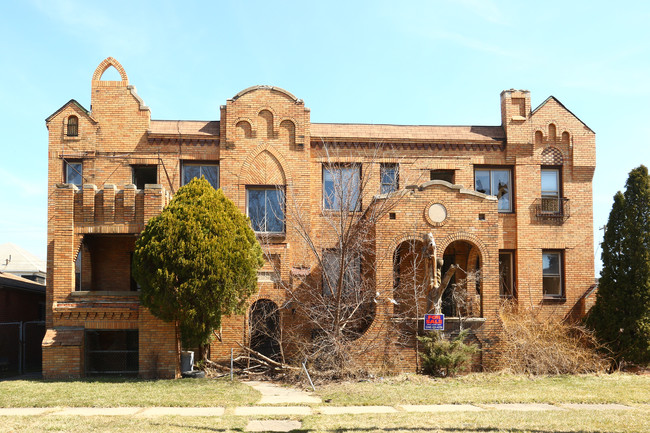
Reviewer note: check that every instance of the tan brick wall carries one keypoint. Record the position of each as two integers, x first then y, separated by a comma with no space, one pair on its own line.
263,137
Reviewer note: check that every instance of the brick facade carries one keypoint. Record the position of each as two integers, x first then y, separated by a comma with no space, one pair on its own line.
264,137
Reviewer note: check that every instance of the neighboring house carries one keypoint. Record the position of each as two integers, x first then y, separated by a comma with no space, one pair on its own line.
22,312
513,201
18,261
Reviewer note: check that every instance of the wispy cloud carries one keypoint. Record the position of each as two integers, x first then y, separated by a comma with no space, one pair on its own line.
90,21
485,9
21,186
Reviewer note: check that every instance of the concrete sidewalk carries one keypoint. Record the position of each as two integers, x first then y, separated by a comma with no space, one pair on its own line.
306,410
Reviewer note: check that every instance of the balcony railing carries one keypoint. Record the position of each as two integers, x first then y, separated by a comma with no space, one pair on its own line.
554,209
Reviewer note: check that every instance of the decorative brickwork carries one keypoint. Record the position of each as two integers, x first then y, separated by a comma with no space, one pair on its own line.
264,137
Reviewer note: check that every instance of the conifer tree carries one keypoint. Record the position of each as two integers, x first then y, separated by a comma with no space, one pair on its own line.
197,261
621,315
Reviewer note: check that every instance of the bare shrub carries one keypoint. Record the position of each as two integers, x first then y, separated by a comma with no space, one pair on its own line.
530,344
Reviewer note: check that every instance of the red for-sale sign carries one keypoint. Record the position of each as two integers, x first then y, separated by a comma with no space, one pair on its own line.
434,322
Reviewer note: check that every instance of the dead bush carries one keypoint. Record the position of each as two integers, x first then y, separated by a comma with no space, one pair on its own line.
531,344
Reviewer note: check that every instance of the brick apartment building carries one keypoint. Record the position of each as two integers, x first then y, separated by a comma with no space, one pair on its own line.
514,201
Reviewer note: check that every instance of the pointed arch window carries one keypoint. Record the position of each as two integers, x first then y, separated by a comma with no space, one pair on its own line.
73,126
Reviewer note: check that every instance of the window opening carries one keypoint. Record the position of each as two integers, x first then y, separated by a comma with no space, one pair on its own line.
331,270
196,170
113,352
495,182
144,175
341,188
266,209
77,270
506,274
73,171
550,183
446,175
552,274
73,126
389,178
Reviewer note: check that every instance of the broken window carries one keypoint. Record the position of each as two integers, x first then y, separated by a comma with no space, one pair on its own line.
73,172
446,175
144,175
497,182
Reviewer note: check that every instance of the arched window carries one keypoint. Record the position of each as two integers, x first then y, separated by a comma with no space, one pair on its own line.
73,126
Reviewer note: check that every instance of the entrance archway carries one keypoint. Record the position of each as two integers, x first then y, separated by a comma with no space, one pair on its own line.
264,318
463,294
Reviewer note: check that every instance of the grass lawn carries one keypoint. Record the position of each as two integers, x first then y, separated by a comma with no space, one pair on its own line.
632,421
404,389
125,392
490,388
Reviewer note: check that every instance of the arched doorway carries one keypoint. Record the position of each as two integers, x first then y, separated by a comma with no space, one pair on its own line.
463,294
409,290
264,325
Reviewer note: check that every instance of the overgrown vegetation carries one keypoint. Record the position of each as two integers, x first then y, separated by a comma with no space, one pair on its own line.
621,316
197,261
529,343
442,357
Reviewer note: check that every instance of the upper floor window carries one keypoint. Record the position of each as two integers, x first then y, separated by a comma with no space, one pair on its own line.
73,172
342,187
266,209
552,274
550,182
144,175
446,175
389,178
495,181
195,170
73,126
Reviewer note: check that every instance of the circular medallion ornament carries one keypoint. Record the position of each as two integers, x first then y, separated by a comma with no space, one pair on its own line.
436,214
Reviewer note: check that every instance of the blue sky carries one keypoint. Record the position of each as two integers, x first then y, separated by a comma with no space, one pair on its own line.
428,62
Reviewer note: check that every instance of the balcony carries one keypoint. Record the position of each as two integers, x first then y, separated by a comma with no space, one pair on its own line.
552,209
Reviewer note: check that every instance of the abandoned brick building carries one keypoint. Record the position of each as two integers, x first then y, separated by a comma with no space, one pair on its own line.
513,201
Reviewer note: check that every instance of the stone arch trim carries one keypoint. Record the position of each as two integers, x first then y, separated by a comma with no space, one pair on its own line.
248,163
264,87
396,242
107,63
468,237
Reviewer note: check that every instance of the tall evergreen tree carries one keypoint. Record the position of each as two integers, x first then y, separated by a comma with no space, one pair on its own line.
621,315
197,261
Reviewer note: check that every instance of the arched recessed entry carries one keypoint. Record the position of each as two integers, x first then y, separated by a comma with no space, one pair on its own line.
264,325
463,295
408,283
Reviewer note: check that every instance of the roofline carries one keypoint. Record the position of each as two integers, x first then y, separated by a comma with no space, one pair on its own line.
10,283
266,87
563,106
410,126
71,101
